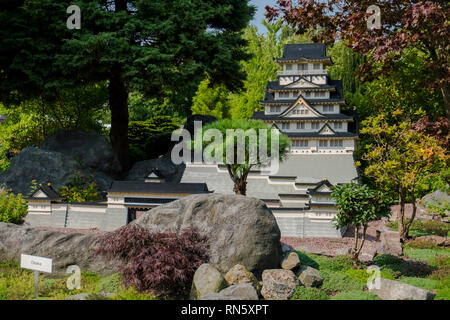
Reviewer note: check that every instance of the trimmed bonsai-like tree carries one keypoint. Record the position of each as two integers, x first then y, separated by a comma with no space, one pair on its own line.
357,206
241,145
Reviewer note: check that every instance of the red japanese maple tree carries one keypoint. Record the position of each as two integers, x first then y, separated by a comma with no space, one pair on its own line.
405,24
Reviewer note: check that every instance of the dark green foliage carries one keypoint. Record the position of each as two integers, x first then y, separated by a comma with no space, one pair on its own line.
303,293
397,266
158,144
355,295
140,131
339,282
161,49
150,138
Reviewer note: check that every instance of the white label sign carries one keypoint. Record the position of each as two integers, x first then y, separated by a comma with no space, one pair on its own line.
36,263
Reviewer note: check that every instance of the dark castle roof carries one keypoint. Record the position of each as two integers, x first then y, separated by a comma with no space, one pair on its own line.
310,51
259,115
49,192
164,187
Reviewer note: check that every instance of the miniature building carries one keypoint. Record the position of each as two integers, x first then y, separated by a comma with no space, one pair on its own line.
126,200
305,104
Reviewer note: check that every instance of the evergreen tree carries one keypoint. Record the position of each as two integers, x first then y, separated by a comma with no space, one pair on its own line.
150,46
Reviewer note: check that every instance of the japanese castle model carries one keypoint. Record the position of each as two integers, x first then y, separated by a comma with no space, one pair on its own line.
305,104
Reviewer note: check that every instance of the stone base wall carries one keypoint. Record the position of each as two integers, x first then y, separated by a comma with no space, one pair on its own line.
301,226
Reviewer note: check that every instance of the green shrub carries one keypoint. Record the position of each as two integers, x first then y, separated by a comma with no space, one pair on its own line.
80,190
355,295
303,293
139,131
425,227
132,294
428,284
13,208
397,267
338,263
428,255
110,283
422,244
157,144
443,294
339,282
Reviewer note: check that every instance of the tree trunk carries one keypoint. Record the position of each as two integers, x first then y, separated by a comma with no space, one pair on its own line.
401,218
446,95
354,253
240,186
118,103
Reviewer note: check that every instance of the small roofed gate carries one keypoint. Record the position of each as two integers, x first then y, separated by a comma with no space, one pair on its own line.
138,206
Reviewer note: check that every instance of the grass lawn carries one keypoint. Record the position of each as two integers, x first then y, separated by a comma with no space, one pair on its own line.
18,284
423,268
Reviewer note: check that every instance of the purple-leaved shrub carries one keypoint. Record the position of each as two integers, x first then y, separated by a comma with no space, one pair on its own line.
160,262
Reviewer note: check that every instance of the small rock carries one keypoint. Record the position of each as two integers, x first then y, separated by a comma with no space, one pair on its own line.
243,291
309,277
278,284
239,274
291,262
207,279
395,290
436,240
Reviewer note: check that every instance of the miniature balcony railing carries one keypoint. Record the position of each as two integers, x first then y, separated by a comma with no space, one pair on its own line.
301,72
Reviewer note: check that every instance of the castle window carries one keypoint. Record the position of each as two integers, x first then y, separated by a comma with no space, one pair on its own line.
285,126
300,125
275,109
336,143
323,143
320,94
302,66
338,125
289,67
315,125
328,108
300,143
308,94
316,66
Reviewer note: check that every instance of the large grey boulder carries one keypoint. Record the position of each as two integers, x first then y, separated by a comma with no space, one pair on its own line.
164,166
91,149
243,291
395,290
240,230
65,249
278,284
309,277
43,166
207,279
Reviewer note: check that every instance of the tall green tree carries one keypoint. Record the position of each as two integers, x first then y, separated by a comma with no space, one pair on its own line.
153,47
261,68
211,100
